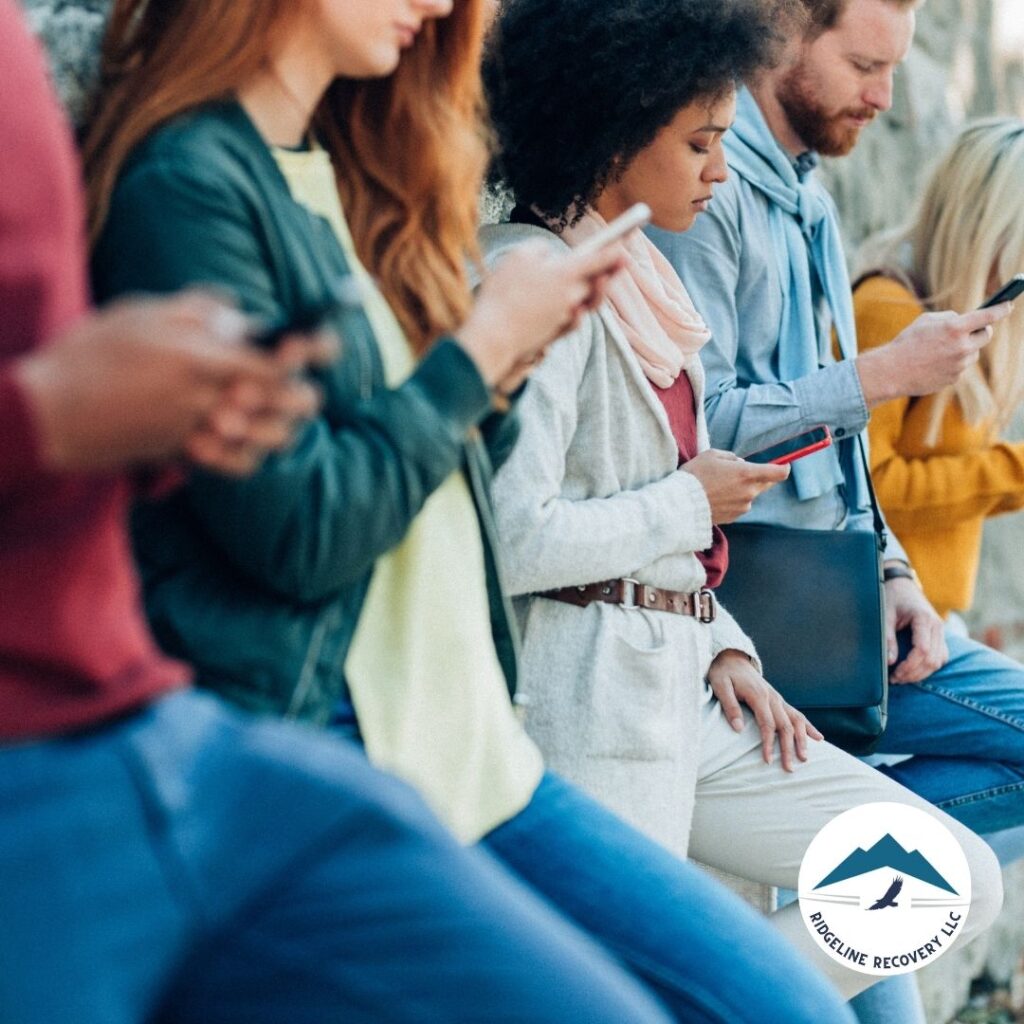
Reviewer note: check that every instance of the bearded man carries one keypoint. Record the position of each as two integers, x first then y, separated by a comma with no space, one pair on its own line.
765,267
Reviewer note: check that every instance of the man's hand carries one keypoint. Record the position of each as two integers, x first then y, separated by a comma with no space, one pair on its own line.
149,380
929,355
734,680
907,607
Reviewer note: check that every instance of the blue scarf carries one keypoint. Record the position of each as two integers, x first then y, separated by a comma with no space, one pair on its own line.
805,235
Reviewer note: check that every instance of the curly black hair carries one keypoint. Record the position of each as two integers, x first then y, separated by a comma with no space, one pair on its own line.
577,88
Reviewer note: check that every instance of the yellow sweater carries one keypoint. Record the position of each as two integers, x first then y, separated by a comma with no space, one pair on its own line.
936,499
428,691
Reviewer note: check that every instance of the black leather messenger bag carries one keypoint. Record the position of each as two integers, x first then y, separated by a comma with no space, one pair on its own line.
813,603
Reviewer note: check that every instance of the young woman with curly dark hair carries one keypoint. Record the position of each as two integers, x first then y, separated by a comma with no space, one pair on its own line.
608,509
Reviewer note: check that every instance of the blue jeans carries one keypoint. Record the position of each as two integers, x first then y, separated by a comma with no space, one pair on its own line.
965,727
707,954
188,865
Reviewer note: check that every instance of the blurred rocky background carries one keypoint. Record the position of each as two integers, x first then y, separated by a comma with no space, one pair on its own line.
967,61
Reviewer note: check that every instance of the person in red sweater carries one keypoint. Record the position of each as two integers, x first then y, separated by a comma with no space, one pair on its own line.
164,857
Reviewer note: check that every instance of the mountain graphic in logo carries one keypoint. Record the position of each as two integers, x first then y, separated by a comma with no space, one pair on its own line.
886,853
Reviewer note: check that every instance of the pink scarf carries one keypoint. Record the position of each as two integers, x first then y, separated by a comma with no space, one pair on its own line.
657,314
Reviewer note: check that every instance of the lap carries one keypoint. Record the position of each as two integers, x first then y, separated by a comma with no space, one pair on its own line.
973,707
224,870
756,820
708,955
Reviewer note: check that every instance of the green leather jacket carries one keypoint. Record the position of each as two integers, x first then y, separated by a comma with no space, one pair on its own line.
259,583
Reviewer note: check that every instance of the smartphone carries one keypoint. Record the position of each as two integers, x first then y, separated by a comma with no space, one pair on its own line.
637,216
1007,293
306,321
794,448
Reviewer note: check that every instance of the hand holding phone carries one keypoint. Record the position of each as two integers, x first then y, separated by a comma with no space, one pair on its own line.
1010,291
730,483
305,321
793,448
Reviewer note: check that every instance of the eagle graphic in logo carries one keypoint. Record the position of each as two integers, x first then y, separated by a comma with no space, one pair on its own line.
889,899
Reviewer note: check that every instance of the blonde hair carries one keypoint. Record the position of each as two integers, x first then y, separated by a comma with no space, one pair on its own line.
968,227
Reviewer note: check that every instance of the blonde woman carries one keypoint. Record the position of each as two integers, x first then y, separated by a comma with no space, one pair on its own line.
939,464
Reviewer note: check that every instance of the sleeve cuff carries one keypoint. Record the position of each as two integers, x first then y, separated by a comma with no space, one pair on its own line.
833,395
894,549
449,380
726,635
698,530
20,456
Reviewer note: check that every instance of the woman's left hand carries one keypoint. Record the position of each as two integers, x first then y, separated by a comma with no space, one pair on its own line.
734,681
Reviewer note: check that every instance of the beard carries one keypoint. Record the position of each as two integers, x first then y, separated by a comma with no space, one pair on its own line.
826,132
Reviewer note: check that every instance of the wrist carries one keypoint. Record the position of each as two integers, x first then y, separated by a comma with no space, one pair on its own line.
879,377
475,339
900,571
733,653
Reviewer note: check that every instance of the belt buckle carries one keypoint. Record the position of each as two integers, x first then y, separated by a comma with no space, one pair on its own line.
629,592
705,605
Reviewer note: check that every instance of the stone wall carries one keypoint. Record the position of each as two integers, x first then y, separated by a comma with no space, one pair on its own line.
967,61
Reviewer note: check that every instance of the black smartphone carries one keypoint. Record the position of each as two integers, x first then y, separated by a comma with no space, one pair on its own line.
794,448
1007,293
306,321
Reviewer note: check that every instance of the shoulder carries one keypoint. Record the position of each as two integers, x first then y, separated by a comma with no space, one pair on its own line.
214,149
497,239
883,307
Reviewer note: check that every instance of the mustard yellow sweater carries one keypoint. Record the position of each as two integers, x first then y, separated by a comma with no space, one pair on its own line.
936,499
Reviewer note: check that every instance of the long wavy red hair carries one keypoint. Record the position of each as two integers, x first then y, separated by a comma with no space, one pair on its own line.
409,150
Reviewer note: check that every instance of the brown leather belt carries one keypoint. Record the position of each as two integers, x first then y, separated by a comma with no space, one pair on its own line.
701,604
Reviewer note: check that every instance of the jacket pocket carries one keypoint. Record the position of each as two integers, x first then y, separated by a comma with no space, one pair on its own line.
634,709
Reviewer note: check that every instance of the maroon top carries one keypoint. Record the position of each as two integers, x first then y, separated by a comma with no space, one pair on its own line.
681,406
74,646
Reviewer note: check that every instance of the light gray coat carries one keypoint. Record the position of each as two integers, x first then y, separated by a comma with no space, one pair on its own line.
592,492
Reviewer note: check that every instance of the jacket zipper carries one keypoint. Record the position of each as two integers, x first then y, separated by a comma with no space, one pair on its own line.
305,682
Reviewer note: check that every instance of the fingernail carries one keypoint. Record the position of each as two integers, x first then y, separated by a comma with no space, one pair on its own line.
226,323
737,724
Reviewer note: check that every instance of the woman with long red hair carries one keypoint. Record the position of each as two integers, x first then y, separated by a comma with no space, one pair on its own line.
286,152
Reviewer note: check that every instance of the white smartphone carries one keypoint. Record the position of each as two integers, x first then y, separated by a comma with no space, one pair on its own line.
637,216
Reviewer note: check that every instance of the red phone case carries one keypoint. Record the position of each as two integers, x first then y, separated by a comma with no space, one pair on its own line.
784,460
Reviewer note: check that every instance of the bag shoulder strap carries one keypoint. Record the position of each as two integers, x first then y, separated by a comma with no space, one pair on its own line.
880,530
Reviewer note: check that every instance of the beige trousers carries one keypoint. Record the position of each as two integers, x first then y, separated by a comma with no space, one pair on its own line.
755,821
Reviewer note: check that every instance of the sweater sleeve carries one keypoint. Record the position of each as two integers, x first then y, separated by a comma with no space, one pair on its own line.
314,519
550,540
940,490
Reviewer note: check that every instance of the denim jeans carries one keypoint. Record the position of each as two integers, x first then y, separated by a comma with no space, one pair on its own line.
188,865
965,727
709,956
706,953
